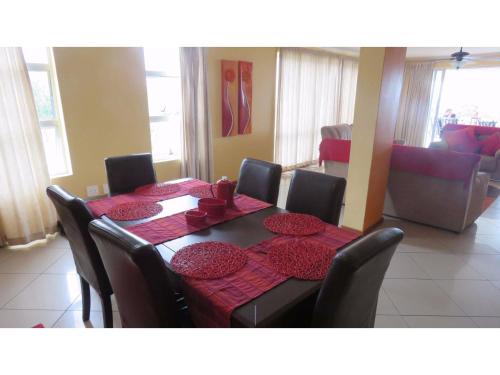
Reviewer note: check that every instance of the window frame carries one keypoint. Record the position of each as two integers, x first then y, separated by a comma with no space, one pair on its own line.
159,118
57,122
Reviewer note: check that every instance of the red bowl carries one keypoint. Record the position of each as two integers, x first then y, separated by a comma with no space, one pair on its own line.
195,217
212,206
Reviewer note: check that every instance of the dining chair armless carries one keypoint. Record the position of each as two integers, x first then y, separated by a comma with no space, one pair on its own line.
260,180
126,173
349,294
138,274
316,194
75,217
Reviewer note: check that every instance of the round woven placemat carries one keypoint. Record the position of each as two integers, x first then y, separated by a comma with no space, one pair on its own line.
206,191
134,210
209,260
303,259
294,224
158,189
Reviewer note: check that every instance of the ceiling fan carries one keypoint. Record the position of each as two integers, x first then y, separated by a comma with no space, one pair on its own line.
460,58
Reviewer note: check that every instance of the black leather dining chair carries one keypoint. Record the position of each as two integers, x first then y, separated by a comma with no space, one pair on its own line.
138,274
317,194
126,173
75,217
349,294
260,180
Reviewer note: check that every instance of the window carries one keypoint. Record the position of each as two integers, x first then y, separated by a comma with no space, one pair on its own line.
39,62
468,96
164,101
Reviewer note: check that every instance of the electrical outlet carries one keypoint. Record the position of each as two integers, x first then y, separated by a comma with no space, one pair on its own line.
105,189
92,190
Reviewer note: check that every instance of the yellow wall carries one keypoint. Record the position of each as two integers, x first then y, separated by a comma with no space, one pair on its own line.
228,152
104,100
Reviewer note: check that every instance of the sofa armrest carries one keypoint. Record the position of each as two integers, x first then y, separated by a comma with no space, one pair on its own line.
479,190
441,145
497,154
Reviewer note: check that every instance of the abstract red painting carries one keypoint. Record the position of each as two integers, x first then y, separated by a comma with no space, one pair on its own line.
229,80
245,97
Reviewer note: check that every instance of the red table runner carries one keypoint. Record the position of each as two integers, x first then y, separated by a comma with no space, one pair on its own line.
211,302
100,207
174,226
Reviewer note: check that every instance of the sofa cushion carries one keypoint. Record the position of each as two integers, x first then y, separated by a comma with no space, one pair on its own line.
490,145
488,163
462,141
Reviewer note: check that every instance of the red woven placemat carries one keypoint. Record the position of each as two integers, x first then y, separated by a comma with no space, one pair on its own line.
158,189
209,260
134,210
207,191
300,258
294,224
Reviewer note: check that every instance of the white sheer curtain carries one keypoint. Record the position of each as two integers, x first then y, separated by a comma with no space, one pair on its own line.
420,93
196,154
25,211
314,89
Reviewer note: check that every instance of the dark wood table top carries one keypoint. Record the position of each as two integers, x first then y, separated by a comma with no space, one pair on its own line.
244,231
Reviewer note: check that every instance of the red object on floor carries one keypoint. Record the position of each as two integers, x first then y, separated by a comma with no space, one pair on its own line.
174,226
211,302
163,189
209,260
134,211
302,259
334,149
444,164
101,206
294,224
39,325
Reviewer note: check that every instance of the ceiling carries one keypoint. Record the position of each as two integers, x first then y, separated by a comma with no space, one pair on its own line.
424,52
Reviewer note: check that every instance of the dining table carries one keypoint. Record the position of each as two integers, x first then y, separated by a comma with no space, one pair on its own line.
273,308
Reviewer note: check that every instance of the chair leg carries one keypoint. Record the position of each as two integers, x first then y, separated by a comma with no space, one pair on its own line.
85,299
107,311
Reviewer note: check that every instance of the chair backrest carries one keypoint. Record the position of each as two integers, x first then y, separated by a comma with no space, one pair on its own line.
316,194
138,275
260,180
75,217
349,294
126,173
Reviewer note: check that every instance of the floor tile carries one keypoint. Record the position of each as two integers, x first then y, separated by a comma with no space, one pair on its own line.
12,284
420,297
445,266
486,321
73,319
95,302
389,321
439,322
487,265
28,318
475,297
385,306
33,260
64,265
403,266
52,292
4,254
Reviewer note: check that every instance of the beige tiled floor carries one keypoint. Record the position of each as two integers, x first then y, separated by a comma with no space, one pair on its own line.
436,279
